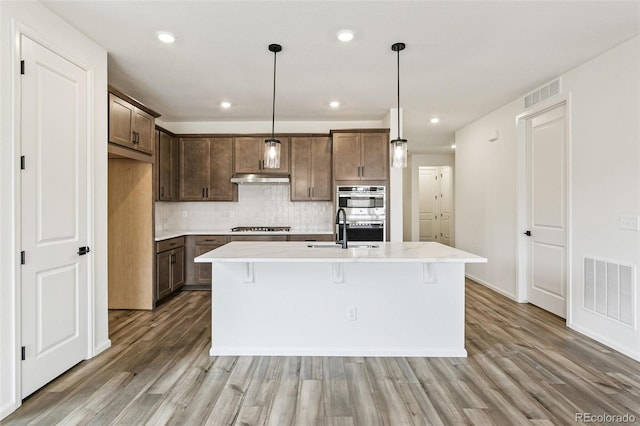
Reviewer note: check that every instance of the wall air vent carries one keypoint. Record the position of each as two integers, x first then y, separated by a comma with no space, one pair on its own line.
543,93
609,290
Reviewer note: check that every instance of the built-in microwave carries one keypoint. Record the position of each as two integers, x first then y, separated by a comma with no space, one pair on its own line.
365,208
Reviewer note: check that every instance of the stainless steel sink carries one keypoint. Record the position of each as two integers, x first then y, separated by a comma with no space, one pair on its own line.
335,245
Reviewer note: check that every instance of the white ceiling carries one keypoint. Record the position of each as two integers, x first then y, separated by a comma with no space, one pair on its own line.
463,59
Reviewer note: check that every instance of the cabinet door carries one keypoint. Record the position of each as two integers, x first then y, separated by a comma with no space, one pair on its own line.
221,170
375,152
301,169
177,268
163,274
121,117
203,270
248,154
346,156
164,162
194,168
143,125
321,188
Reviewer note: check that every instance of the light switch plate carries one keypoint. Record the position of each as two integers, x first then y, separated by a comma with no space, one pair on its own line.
632,223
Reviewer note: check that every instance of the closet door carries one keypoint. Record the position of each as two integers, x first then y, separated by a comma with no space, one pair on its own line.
428,204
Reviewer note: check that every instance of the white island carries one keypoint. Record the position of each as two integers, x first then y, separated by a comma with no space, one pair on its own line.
286,298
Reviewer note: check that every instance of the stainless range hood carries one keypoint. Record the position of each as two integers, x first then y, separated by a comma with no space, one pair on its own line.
259,178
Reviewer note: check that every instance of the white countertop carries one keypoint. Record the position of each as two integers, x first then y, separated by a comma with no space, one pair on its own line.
172,233
423,252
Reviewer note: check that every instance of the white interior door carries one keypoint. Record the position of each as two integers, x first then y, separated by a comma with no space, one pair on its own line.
446,206
428,203
54,215
547,212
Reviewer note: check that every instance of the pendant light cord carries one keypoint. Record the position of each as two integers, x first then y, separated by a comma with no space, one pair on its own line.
398,93
273,106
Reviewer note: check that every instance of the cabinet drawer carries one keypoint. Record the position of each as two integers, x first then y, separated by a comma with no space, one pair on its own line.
211,239
169,244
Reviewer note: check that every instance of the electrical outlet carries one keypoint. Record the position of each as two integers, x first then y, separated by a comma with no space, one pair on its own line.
629,222
352,313
185,213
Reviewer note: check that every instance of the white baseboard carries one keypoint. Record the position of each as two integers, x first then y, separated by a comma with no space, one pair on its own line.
9,408
605,341
493,287
252,351
102,347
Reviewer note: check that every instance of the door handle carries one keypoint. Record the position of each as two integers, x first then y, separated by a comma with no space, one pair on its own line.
83,250
527,233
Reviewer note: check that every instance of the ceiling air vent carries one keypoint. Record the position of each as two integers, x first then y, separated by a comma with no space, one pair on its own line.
542,93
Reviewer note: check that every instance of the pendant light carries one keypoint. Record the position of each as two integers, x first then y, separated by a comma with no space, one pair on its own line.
398,145
272,145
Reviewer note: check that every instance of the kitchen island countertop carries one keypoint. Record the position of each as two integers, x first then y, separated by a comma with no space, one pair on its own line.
423,252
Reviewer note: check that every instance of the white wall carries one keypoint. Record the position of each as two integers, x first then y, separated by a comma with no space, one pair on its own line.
396,188
604,106
412,189
485,196
605,178
39,23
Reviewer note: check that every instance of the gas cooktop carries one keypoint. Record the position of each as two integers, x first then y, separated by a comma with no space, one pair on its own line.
261,229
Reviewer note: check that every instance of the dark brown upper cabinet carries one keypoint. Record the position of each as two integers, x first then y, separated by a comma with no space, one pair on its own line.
166,166
311,169
206,167
131,125
360,156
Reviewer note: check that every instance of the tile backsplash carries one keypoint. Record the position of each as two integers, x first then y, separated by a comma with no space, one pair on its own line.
258,205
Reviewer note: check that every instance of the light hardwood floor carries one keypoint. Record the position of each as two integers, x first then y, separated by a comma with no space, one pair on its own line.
524,367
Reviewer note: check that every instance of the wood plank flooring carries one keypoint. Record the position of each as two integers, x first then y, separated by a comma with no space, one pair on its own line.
524,367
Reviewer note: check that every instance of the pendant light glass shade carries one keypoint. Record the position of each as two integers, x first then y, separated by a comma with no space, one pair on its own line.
272,153
272,145
399,153
398,145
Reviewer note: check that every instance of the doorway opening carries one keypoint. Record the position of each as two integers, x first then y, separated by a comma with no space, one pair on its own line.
435,204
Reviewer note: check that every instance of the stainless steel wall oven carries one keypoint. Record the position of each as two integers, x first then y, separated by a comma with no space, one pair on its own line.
365,208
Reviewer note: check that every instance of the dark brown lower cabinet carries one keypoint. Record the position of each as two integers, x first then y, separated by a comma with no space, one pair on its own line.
199,274
170,271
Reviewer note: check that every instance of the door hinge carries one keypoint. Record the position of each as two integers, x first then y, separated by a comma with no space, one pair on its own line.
23,353
22,163
22,67
22,258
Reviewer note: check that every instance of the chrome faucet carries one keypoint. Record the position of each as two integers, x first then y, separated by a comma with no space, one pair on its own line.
344,228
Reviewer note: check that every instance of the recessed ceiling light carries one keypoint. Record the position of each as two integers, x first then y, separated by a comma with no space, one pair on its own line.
453,146
345,35
334,104
435,120
166,37
225,104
